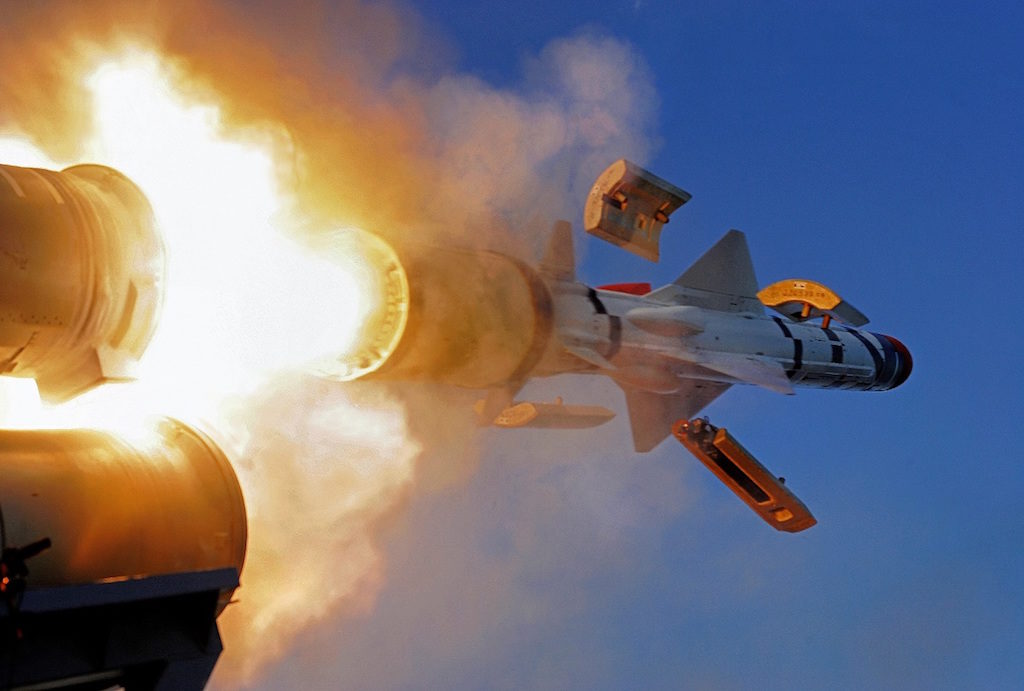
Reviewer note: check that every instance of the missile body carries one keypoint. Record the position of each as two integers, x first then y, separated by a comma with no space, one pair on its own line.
474,319
81,277
659,346
483,320
116,509
487,321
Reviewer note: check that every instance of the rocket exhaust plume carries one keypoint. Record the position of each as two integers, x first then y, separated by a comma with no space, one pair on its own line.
247,175
469,318
244,307
385,315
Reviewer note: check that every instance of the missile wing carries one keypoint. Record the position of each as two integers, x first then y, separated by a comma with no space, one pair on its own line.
555,415
651,415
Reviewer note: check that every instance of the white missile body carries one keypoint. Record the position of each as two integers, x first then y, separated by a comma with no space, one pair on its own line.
677,348
490,322
486,321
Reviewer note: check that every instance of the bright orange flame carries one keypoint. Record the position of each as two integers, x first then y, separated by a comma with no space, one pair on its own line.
242,300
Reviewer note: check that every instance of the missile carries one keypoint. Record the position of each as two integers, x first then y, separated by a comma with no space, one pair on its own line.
487,321
483,320
474,319
81,277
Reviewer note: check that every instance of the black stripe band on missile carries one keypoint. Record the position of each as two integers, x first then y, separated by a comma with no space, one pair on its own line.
798,348
872,350
614,336
614,324
890,360
837,346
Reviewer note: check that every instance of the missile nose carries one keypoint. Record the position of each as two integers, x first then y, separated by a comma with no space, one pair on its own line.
904,364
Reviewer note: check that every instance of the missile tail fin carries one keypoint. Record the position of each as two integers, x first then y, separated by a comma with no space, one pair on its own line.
559,262
725,268
652,415
498,399
724,276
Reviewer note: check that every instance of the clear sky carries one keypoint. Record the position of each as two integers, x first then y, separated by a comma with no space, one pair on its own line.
875,147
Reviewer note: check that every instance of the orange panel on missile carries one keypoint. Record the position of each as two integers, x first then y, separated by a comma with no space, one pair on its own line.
744,475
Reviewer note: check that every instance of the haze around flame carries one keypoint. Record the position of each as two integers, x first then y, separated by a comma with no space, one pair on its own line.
252,138
245,308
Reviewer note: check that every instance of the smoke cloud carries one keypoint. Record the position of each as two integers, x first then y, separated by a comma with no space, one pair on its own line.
321,469
370,127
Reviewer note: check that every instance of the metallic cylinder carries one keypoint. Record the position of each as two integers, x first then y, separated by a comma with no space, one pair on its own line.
115,509
470,318
81,277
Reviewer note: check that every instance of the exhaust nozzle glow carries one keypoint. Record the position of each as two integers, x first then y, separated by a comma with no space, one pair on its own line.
385,288
471,318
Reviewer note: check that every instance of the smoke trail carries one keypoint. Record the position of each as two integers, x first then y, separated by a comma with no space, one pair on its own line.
444,155
321,467
373,131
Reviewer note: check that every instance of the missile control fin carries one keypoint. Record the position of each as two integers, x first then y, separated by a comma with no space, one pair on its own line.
766,494
627,206
555,415
800,300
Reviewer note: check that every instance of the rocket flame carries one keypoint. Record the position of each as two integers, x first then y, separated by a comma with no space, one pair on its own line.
448,161
242,300
246,309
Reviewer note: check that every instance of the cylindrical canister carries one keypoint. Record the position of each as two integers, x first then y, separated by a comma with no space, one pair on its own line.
81,276
115,508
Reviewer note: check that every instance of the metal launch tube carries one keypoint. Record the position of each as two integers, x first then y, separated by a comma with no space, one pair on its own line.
114,508
81,274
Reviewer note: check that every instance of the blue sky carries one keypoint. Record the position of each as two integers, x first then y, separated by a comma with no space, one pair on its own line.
876,148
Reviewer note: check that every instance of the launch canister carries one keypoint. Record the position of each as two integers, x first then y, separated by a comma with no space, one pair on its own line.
81,277
115,508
